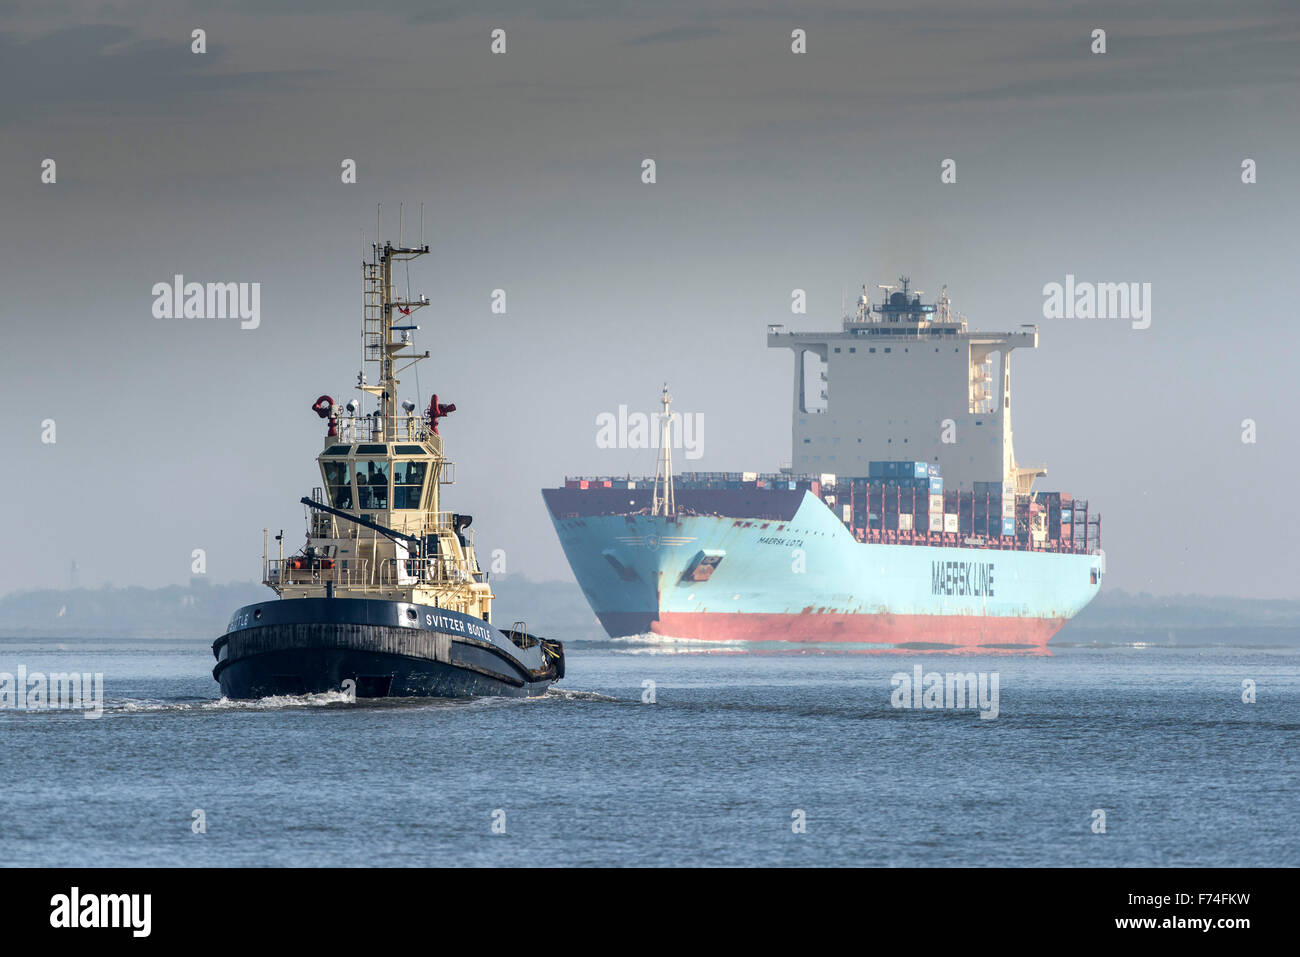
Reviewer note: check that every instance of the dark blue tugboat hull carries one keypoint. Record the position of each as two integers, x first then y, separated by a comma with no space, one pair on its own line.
377,649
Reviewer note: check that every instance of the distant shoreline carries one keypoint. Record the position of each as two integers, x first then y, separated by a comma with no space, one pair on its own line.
558,609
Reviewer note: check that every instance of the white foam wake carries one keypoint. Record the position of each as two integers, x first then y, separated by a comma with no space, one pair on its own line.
649,643
570,694
271,702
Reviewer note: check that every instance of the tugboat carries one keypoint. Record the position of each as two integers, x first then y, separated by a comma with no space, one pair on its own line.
386,598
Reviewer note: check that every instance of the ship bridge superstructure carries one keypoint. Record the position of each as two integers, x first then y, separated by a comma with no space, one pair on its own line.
905,379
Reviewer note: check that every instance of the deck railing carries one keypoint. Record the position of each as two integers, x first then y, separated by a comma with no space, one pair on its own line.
398,428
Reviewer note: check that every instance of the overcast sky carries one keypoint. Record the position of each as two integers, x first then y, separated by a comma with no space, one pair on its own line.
775,171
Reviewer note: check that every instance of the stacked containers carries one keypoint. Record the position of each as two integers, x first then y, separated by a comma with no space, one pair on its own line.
1054,503
900,496
1008,510
934,500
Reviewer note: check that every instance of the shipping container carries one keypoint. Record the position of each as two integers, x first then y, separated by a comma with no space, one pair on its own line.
950,523
936,503
904,523
1008,527
936,521
936,485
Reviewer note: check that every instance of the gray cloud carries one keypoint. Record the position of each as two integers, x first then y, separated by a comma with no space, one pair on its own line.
676,35
99,67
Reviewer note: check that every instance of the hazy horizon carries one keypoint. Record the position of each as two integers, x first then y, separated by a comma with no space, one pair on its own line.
775,171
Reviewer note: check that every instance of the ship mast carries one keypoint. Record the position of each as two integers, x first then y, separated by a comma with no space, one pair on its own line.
663,503
386,326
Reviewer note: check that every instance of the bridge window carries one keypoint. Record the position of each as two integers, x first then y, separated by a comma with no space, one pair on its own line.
372,484
408,483
336,481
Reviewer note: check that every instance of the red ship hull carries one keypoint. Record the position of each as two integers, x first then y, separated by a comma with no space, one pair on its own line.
953,631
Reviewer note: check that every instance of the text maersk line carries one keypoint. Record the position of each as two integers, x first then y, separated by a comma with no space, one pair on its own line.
961,578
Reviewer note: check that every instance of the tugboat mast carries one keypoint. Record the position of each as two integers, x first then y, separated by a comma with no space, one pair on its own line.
383,337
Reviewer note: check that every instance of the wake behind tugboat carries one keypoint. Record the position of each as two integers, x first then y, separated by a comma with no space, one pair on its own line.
386,598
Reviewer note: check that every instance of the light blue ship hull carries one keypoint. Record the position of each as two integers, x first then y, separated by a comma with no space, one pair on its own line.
813,581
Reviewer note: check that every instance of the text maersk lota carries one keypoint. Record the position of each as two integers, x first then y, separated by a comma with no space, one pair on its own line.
386,598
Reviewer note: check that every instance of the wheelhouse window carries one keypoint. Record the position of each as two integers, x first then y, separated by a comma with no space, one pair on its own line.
372,484
336,481
408,483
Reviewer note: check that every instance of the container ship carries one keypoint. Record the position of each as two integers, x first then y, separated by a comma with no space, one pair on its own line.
386,598
903,518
